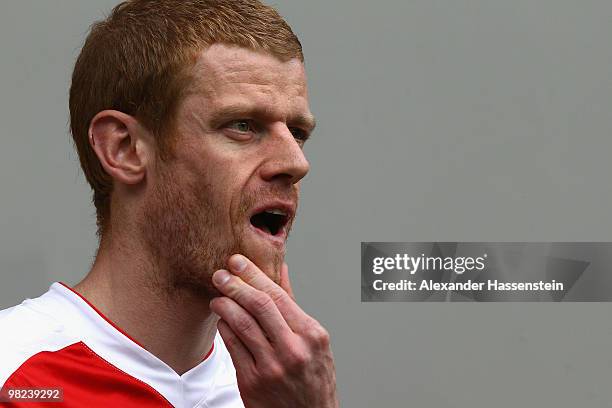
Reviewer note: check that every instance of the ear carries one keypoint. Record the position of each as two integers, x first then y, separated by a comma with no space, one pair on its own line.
119,142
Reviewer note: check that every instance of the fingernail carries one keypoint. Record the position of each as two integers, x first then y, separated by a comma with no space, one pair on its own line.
221,277
238,263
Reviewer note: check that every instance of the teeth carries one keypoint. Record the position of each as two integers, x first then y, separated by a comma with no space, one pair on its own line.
276,211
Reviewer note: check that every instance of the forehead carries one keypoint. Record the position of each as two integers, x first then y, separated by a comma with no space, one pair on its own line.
226,74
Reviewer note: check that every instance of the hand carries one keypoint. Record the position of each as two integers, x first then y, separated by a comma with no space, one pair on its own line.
282,356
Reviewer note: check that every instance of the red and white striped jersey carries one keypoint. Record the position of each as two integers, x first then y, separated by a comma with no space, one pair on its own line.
60,341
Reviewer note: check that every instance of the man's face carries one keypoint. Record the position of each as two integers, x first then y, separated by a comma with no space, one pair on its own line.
232,185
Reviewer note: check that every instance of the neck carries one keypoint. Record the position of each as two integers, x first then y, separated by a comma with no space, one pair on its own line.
177,327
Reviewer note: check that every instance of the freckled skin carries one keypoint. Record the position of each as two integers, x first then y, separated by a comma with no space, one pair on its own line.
197,213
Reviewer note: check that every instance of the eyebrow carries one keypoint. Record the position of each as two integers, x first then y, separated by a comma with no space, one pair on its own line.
303,120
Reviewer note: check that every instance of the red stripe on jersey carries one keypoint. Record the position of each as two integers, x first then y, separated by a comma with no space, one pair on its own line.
86,379
209,352
117,327
101,314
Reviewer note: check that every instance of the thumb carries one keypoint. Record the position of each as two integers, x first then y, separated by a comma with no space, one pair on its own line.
284,280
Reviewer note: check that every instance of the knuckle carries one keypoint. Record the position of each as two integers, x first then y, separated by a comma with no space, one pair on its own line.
318,335
324,338
261,302
232,342
297,359
281,298
243,324
277,295
274,373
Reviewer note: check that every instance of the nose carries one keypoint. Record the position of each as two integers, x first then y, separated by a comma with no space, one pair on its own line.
285,157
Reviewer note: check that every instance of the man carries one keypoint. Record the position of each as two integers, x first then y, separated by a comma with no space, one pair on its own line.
189,117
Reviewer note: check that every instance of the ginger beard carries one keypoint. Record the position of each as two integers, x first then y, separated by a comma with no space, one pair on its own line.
190,234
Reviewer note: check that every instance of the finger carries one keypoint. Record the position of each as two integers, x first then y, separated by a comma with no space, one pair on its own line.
242,358
284,280
244,326
259,304
251,274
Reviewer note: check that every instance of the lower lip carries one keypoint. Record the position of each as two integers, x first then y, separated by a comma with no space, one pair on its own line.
277,240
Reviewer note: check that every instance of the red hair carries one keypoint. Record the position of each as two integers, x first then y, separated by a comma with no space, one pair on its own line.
138,59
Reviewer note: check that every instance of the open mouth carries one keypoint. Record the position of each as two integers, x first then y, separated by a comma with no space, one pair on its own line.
270,221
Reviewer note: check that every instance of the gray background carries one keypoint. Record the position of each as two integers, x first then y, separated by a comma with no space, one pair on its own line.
438,121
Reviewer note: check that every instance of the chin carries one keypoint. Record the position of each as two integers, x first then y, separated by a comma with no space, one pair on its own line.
269,261
271,268
273,272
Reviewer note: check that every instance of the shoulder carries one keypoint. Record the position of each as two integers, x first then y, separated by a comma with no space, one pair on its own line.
27,330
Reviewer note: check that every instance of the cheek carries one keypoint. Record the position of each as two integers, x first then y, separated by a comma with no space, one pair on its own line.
222,189
222,172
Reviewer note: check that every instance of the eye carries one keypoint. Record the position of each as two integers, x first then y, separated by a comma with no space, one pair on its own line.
242,126
299,134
